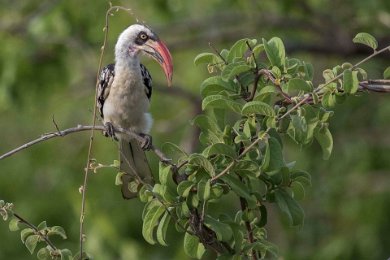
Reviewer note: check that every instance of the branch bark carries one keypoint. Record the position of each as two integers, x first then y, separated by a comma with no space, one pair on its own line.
81,128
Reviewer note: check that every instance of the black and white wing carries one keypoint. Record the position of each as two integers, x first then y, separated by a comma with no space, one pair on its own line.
147,78
105,80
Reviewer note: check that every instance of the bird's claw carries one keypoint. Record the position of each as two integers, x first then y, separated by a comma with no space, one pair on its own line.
110,131
146,144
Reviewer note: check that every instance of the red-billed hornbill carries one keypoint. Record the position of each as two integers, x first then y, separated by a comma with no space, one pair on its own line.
124,94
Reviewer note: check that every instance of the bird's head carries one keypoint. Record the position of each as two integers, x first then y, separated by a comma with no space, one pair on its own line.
139,38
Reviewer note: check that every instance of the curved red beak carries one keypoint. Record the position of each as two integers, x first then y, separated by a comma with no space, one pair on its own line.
164,58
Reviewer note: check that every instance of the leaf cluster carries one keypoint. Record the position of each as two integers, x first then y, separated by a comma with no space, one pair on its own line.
255,98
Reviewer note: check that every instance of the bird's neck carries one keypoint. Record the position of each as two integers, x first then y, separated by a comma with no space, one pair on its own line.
127,64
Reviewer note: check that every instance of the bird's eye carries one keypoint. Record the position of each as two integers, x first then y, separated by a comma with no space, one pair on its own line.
143,36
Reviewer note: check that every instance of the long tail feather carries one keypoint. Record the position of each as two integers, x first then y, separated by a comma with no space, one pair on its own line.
134,163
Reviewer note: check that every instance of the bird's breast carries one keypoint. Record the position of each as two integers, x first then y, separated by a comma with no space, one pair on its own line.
127,104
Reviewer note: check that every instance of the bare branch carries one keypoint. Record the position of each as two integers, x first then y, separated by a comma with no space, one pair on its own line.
81,128
375,85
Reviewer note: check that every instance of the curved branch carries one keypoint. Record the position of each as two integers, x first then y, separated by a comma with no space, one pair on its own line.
81,128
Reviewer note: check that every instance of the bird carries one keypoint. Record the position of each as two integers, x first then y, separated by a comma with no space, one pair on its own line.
124,93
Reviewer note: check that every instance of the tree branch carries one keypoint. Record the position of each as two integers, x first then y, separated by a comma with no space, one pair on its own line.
81,128
307,96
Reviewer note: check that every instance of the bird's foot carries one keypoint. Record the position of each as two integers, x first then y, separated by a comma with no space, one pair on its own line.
110,131
147,142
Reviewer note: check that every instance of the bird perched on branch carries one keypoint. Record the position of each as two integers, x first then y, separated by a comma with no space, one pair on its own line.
124,93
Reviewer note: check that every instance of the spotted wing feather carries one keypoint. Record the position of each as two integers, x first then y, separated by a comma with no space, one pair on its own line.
147,81
105,80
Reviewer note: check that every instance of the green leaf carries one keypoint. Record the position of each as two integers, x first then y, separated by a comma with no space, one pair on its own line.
263,215
246,167
238,236
350,81
289,207
204,58
328,75
164,173
216,84
84,256
258,49
275,52
118,178
57,230
297,84
220,101
151,218
216,191
222,230
386,73
258,107
42,225
324,138
167,191
325,115
309,71
144,194
207,123
25,233
366,39
276,161
297,129
173,151
210,129
298,190
185,211
14,224
239,49
193,200
31,243
302,177
192,246
44,254
234,69
197,159
66,254
184,188
267,249
204,188
329,99
268,89
162,229
237,186
221,149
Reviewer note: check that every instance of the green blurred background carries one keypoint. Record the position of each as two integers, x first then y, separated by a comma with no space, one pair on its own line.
48,62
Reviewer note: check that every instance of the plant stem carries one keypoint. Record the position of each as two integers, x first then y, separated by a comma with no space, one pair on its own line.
44,237
333,80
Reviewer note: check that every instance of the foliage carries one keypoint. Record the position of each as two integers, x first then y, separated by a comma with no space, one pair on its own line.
65,69
270,97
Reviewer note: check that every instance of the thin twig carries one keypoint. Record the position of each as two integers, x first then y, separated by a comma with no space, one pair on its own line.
257,75
33,227
84,187
217,52
246,150
307,96
55,124
251,239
